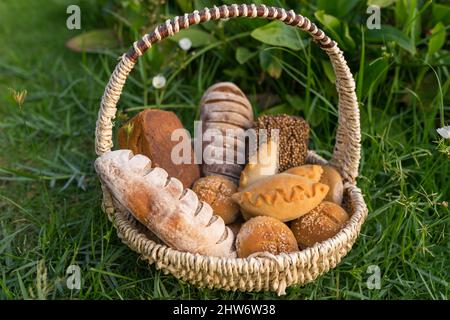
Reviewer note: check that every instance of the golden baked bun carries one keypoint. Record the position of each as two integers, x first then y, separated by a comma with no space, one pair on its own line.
216,191
310,171
322,223
333,180
264,234
283,196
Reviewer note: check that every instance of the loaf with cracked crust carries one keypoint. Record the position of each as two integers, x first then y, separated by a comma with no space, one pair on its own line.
173,214
224,110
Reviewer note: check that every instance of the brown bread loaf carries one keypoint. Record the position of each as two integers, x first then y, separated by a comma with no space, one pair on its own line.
149,133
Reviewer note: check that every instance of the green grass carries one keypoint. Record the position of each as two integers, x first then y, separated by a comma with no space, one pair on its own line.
50,214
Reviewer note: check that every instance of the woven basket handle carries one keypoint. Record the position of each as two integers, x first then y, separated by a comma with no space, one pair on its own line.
346,154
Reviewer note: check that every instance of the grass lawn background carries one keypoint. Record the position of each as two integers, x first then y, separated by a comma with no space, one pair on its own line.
50,214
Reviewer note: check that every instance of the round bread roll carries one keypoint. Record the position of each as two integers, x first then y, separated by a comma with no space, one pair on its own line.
333,179
264,234
322,223
216,191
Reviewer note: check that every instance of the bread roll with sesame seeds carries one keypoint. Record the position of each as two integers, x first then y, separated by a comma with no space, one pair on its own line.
283,196
216,191
264,234
322,223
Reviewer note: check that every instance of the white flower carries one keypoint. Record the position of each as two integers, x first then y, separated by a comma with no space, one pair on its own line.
159,81
444,132
185,44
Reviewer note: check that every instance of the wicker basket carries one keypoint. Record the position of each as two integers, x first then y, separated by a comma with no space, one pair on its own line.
265,271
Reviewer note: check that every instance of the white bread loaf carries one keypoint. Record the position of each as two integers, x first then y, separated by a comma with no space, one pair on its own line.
173,214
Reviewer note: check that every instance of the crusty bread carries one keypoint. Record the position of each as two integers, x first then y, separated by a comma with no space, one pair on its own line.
226,106
322,223
283,196
262,164
144,134
160,203
228,117
225,110
264,234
